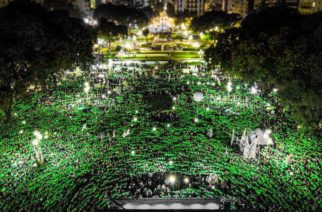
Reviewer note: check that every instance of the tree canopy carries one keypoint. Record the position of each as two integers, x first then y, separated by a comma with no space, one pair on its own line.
121,14
278,48
159,7
110,28
170,10
62,5
36,46
211,19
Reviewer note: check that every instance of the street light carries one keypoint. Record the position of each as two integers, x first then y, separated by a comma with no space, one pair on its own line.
253,89
196,44
172,179
200,52
186,180
90,21
229,86
201,35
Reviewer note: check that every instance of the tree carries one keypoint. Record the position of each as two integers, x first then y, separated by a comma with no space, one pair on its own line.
62,5
148,12
161,6
146,32
182,17
121,14
278,48
211,19
109,30
35,47
170,10
158,8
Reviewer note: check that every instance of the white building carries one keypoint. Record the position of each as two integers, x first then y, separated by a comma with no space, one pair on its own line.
192,6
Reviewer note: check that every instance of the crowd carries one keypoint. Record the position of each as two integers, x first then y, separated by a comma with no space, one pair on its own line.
109,143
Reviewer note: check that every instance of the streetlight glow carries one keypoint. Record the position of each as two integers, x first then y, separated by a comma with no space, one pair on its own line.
172,179
186,180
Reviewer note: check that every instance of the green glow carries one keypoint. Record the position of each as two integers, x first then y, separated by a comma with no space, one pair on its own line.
80,166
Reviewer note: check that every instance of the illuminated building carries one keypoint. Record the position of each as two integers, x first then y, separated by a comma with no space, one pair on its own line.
310,6
192,6
132,3
161,24
244,7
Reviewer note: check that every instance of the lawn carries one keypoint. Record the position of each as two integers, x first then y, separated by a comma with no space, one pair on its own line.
159,55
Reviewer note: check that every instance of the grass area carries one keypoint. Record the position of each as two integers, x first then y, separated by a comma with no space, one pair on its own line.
158,55
97,143
153,55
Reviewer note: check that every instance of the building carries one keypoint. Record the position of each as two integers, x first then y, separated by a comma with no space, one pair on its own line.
94,3
192,6
86,5
244,7
234,6
212,5
310,6
82,5
131,3
196,7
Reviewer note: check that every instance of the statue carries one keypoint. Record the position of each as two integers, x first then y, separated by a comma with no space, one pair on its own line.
250,142
210,133
198,96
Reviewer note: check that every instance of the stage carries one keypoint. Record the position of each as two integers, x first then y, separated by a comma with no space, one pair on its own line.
168,204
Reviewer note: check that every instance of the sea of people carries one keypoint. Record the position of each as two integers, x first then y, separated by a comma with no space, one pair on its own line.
181,150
